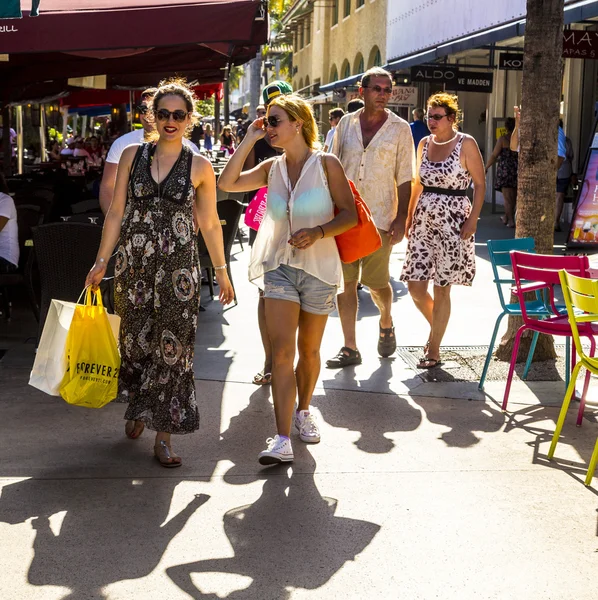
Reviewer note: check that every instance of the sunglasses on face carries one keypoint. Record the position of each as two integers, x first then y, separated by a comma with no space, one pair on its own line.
164,115
435,117
271,122
378,89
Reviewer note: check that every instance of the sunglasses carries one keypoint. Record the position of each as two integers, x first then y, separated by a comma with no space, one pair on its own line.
271,122
435,117
164,115
378,89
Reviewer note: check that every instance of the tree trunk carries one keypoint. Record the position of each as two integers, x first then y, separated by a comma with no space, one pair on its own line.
538,135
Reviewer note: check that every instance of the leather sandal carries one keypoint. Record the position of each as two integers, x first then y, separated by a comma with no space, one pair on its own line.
133,429
262,378
345,357
387,342
165,456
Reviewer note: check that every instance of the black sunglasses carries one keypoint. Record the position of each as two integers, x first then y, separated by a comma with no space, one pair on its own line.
164,115
435,117
271,122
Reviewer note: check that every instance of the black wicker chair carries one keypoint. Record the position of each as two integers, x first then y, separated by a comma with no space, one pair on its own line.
28,217
230,212
65,252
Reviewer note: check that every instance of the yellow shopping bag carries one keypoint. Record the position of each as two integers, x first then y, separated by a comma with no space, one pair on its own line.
93,360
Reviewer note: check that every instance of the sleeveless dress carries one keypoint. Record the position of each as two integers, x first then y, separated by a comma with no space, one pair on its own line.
157,292
506,169
435,249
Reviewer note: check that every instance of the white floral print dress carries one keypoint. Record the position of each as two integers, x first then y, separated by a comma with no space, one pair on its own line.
157,292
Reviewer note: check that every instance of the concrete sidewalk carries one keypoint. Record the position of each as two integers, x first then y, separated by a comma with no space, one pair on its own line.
413,493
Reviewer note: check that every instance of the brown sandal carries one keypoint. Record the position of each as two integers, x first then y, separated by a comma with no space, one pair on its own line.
133,430
165,456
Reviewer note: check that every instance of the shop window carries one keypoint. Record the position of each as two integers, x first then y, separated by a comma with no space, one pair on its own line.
333,74
347,8
359,67
377,59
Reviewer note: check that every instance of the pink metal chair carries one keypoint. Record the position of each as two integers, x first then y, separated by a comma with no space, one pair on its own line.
540,272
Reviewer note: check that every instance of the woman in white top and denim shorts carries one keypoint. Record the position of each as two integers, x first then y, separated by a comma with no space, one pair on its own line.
294,258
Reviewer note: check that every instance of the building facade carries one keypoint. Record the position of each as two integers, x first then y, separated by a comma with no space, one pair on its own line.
334,40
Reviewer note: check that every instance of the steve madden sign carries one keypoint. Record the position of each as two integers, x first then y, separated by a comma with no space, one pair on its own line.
454,78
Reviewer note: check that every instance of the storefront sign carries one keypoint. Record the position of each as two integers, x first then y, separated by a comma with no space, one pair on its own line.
439,74
580,44
508,61
403,95
468,81
584,225
454,79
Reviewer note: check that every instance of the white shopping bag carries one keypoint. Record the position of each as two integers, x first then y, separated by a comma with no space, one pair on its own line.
50,361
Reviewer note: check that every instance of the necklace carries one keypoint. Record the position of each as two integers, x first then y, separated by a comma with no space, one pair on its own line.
447,141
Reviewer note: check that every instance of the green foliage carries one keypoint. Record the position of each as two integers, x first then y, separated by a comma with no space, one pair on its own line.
234,77
205,107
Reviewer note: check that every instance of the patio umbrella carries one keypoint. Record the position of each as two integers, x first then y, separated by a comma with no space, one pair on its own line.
71,25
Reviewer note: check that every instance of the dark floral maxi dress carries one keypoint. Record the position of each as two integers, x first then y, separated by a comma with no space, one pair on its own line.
157,292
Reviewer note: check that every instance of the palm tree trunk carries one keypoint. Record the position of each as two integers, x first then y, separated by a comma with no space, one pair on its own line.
538,134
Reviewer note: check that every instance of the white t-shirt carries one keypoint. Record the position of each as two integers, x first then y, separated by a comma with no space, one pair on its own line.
9,236
329,138
135,137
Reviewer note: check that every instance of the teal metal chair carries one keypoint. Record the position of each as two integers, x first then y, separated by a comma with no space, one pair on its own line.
499,252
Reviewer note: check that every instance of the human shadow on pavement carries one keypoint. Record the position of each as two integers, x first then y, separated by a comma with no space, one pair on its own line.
383,411
289,538
111,530
462,418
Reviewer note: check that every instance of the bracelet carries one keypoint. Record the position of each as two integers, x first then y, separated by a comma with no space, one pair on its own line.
322,230
220,268
101,260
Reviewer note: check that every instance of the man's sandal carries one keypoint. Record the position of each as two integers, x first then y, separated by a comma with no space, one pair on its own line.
344,358
262,378
387,342
133,429
429,363
165,456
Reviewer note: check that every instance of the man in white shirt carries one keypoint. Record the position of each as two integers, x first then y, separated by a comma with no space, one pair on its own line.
119,145
334,116
375,147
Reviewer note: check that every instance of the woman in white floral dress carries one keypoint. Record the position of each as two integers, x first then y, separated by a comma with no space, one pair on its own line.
159,188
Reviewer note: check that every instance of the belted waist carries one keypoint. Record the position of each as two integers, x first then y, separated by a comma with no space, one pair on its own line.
444,191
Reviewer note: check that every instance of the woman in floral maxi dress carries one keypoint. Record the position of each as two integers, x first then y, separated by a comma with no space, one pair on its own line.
160,189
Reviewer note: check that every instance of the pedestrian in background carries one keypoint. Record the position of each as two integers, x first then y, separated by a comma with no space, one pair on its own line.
334,116
375,148
441,222
419,129
159,188
354,105
295,258
207,138
506,171
227,140
565,176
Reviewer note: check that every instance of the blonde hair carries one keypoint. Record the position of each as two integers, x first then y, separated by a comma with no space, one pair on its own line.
299,110
449,102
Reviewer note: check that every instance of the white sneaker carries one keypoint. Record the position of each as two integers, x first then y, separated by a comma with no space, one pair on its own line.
279,451
307,424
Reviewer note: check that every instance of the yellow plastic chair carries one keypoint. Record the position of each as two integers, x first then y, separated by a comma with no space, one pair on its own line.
581,299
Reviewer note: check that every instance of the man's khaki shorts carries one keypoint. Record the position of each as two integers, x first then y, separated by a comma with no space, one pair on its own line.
375,272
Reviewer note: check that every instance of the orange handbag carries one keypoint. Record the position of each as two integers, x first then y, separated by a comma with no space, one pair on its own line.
363,239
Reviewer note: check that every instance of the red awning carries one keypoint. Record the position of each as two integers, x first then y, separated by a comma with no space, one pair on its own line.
71,25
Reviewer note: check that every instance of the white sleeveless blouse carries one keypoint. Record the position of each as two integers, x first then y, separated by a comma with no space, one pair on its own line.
308,205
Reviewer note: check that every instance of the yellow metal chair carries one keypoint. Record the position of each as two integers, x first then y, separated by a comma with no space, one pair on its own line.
581,299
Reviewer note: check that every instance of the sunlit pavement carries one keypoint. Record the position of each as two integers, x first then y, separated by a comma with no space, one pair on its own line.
414,492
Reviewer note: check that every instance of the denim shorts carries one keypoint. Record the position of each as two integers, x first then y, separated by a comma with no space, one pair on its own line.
312,294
